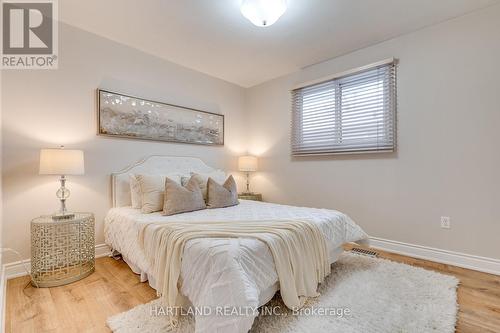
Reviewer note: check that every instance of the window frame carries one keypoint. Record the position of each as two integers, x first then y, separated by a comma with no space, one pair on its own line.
373,143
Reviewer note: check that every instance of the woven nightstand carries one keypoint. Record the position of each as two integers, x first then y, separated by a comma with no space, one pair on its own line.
250,196
62,251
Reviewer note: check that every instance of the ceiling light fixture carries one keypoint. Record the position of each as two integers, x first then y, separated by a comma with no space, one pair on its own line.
263,13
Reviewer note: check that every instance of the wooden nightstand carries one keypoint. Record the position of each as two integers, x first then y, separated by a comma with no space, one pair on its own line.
62,251
250,196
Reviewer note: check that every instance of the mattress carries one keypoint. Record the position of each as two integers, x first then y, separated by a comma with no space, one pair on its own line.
236,271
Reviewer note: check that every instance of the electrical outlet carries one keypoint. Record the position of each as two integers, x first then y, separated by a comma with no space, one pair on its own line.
445,222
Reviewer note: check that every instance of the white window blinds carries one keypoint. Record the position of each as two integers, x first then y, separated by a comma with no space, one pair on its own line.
351,113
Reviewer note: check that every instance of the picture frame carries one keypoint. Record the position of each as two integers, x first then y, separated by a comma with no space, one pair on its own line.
125,116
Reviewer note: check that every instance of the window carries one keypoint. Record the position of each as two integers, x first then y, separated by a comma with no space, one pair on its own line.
347,114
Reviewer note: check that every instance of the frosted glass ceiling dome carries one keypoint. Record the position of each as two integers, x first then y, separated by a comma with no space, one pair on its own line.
263,13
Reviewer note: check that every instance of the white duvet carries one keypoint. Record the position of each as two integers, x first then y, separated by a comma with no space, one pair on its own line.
225,272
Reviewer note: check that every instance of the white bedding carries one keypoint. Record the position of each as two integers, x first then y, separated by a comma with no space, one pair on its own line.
225,272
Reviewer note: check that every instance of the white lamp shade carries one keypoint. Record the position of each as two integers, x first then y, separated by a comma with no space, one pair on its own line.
263,13
247,163
61,162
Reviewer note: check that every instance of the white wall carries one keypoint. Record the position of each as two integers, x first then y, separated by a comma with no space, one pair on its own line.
448,122
448,159
46,108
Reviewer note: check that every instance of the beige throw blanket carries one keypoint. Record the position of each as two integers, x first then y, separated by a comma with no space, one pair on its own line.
298,248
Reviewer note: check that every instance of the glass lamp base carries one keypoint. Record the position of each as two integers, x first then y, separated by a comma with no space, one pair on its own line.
63,216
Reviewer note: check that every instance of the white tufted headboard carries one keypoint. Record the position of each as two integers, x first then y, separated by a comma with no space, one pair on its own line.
155,165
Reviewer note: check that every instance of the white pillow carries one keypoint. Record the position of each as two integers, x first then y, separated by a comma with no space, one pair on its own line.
135,192
153,190
202,178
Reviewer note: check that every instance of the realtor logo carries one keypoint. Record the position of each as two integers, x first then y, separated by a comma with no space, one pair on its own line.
29,34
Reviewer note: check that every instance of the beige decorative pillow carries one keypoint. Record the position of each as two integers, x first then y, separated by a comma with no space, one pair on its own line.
202,179
222,195
181,199
153,190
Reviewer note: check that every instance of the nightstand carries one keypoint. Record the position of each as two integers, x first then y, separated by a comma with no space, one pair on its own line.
250,196
62,251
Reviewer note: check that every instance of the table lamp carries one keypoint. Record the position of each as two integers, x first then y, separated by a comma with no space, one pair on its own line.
61,162
247,164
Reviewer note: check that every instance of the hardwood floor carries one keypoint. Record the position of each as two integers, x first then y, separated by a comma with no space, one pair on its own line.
83,306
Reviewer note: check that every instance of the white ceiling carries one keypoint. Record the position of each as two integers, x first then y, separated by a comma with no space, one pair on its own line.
211,36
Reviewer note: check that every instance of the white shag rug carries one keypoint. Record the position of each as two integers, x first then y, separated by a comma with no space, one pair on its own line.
379,295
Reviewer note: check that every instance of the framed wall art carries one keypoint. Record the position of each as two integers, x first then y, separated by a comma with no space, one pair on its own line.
127,116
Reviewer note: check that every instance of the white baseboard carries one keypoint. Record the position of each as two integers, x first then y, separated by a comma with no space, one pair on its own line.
477,263
102,250
482,264
20,268
17,269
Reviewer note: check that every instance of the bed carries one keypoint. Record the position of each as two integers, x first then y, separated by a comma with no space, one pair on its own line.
235,272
